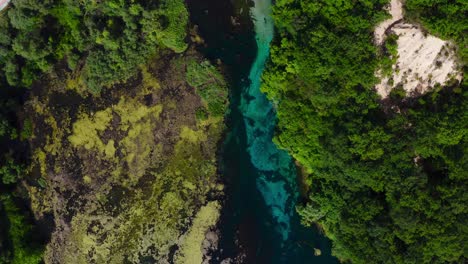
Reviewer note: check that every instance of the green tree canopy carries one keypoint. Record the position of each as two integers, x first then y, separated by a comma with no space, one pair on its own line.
388,179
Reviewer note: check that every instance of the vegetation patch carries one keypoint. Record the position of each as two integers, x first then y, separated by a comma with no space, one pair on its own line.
19,232
209,84
103,42
128,172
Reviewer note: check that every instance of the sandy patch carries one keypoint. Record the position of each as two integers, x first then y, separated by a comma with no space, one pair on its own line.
423,60
3,4
396,10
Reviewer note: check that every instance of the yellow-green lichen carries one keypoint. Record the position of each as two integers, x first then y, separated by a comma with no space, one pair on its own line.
132,111
86,130
41,160
143,174
191,248
54,145
149,80
110,149
192,136
87,179
139,121
136,120
41,200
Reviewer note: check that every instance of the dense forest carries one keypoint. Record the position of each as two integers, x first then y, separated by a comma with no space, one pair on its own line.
387,179
106,39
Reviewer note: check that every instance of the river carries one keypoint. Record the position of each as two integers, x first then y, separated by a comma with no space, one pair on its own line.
259,223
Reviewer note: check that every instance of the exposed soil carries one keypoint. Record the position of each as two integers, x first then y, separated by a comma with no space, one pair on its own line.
423,62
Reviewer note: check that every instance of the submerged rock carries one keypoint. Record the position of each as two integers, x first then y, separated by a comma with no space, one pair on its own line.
317,252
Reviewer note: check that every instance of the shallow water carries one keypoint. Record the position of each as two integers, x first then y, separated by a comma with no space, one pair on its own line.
276,173
259,223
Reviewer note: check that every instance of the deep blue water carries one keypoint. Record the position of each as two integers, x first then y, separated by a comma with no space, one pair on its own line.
259,223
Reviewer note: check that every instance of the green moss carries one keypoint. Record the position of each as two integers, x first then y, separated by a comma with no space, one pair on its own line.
132,111
41,161
209,84
149,225
40,199
139,121
201,73
201,114
136,120
87,179
53,146
174,35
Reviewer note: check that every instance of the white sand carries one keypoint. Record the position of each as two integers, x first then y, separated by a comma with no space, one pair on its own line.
423,61
396,10
3,4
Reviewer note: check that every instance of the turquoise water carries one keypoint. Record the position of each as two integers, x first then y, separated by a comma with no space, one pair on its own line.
276,179
259,223
282,238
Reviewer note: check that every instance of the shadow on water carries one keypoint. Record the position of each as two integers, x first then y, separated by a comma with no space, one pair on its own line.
254,226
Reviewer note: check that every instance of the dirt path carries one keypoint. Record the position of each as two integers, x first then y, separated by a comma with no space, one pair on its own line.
396,10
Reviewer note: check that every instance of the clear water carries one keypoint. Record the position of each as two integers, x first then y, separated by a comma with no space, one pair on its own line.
276,173
259,223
